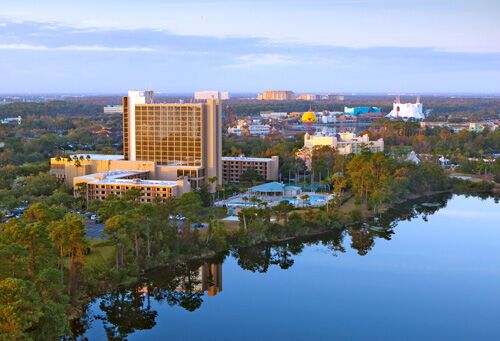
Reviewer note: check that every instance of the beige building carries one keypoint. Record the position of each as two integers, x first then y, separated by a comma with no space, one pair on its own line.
234,167
276,95
347,143
99,185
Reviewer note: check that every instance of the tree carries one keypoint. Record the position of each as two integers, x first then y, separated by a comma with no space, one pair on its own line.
133,194
304,198
339,184
190,205
282,209
34,238
20,308
116,227
69,236
251,175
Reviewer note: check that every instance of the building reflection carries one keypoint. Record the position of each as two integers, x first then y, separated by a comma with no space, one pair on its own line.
207,278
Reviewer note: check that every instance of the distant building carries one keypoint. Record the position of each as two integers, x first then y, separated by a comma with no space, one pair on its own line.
250,129
356,111
338,98
8,120
308,97
475,127
234,167
407,111
276,95
412,157
346,143
326,117
273,115
211,94
113,109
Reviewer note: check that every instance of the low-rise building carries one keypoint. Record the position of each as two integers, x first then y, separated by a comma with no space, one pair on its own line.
273,115
346,143
113,109
274,190
234,167
67,168
99,185
252,129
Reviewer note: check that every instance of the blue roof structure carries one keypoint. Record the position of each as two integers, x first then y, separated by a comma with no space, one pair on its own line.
269,187
356,111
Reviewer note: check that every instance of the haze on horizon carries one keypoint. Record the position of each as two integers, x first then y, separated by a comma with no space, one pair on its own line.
247,46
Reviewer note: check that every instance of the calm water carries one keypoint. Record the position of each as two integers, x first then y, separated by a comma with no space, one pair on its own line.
422,273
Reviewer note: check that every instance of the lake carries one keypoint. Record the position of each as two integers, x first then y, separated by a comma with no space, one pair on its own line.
429,270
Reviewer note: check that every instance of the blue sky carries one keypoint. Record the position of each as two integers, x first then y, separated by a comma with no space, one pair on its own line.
110,46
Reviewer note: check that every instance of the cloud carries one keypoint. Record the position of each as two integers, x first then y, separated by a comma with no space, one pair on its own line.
97,48
265,59
89,48
22,47
246,64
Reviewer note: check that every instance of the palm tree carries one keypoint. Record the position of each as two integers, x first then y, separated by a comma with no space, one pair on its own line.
304,198
245,199
254,200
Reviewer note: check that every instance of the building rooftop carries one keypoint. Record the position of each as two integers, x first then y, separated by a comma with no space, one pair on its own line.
113,175
100,156
134,182
244,158
269,187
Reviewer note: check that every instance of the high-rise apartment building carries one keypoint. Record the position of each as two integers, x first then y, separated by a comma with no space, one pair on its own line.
276,95
182,139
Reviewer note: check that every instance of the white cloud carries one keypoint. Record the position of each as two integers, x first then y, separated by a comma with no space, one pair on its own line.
22,47
89,48
261,59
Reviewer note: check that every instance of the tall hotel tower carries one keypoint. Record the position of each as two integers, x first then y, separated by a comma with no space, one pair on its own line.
182,139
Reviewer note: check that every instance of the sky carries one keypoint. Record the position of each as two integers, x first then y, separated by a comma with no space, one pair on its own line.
334,46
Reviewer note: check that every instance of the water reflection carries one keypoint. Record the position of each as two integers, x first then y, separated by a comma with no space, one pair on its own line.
185,286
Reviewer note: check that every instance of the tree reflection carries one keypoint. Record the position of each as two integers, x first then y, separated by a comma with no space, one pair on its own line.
362,240
125,311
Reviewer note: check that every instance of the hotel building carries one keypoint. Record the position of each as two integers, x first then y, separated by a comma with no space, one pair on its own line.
171,141
234,167
182,139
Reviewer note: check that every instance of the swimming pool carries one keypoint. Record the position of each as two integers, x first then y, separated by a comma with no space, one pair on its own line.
314,200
